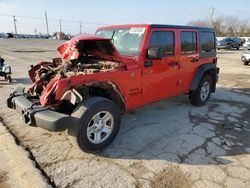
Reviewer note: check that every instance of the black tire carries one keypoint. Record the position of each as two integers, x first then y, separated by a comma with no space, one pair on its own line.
237,48
195,97
83,115
245,63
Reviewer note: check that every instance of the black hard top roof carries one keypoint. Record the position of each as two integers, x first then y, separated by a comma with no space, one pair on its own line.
181,27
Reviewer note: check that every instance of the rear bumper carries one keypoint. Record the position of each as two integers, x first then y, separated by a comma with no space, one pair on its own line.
35,115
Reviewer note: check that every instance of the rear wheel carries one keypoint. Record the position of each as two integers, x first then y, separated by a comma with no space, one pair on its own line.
202,93
97,123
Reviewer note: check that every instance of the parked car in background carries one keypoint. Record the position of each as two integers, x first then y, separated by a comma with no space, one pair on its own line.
237,40
242,41
10,35
228,43
246,56
247,43
3,35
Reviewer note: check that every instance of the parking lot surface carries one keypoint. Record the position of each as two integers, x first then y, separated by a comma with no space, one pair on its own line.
167,144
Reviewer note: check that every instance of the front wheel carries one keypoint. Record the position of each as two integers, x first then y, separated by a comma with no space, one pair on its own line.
97,123
202,93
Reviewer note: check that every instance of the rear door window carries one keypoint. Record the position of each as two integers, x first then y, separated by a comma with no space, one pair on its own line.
188,42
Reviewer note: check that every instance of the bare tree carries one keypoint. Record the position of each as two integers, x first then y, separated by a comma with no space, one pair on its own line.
243,27
217,24
201,23
229,26
231,23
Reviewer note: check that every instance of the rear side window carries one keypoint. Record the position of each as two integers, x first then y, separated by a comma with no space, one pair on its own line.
207,41
163,40
188,42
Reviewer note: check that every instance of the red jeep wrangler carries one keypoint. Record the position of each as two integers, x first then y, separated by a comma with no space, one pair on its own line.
118,69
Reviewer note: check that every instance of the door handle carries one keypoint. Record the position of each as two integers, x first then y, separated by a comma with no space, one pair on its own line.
194,60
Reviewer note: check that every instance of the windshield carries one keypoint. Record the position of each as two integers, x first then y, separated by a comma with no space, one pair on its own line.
126,40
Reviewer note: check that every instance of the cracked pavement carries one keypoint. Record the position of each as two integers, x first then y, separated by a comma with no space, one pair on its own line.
167,144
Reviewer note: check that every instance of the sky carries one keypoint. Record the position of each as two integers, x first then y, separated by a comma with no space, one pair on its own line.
30,14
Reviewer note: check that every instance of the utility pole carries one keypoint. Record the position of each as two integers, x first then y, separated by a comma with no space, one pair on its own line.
14,19
60,21
212,14
80,27
47,25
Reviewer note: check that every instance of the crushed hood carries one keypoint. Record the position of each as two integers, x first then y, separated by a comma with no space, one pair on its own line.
91,45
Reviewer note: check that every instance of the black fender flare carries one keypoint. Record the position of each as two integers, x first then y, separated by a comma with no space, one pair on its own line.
209,67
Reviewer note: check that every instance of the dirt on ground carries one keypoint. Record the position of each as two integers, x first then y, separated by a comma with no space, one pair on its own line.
3,179
166,144
171,177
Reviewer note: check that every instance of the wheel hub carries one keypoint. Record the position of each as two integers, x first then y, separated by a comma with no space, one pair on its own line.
205,91
100,127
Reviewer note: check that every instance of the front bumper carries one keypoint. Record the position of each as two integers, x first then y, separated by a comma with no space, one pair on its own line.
36,115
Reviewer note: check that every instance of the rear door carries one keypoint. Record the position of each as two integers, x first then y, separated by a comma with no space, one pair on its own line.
160,79
188,56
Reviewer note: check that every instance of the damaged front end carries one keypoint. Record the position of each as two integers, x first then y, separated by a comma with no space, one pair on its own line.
82,55
48,102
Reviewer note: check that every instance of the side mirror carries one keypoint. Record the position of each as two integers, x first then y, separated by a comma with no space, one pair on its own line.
154,53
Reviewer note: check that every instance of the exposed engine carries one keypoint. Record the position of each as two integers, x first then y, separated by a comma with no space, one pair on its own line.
80,56
92,66
42,74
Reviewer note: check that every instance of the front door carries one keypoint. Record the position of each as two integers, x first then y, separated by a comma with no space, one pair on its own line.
159,80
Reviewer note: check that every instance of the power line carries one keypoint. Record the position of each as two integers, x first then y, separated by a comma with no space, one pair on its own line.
50,24
55,19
